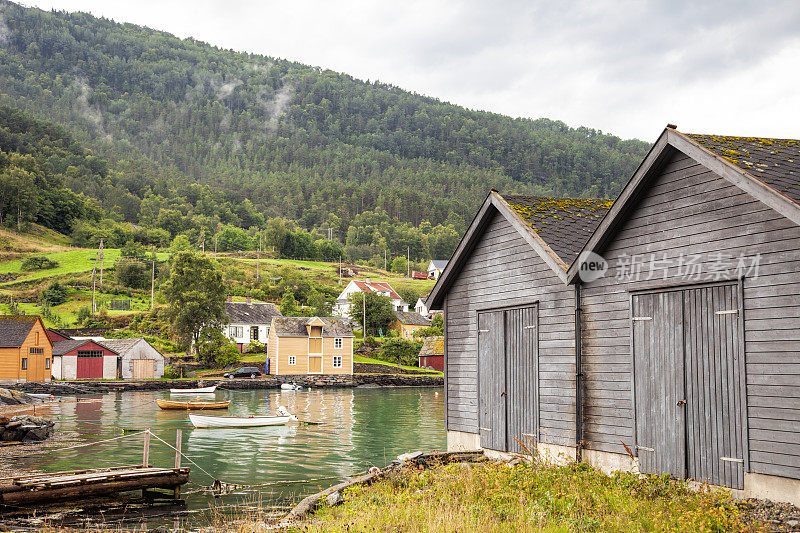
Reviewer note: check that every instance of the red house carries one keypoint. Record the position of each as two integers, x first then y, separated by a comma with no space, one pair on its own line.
84,359
432,353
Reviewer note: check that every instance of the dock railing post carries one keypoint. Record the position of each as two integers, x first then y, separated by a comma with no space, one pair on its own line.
177,490
146,449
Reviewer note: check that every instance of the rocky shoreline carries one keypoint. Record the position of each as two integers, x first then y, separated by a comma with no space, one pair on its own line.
25,428
266,382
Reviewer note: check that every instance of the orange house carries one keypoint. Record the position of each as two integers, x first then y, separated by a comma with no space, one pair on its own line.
26,351
303,345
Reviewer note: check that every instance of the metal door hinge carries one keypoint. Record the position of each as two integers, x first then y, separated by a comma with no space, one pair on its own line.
728,312
640,318
483,331
731,460
485,429
645,449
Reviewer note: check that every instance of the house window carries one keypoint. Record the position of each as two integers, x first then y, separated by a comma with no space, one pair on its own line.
292,360
47,363
253,333
90,353
24,363
237,331
37,350
337,361
337,343
37,338
406,334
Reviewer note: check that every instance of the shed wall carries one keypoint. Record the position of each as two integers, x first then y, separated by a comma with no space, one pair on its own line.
690,210
142,350
502,271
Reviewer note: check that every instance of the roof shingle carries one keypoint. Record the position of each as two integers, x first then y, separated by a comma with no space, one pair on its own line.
565,224
15,329
775,162
293,326
432,346
411,318
251,313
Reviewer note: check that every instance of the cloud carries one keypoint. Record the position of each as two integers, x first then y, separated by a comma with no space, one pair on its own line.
622,66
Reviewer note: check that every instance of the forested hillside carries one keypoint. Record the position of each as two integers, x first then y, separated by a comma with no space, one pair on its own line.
200,139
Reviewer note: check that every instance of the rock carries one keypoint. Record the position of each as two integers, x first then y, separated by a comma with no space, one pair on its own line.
38,434
334,498
793,523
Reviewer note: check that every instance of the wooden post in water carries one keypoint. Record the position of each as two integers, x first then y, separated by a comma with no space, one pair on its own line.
146,449
177,491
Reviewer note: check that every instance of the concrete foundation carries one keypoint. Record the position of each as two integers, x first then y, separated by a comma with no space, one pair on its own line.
459,441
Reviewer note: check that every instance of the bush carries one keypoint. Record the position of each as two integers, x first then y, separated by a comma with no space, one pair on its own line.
39,263
215,349
55,294
255,347
400,351
170,372
133,274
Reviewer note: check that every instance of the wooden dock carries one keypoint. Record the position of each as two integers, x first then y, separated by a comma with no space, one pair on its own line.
79,484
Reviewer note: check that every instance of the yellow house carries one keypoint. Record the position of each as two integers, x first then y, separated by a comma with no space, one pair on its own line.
26,352
407,322
302,345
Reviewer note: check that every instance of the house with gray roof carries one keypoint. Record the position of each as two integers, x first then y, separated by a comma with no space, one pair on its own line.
310,345
657,333
436,267
249,321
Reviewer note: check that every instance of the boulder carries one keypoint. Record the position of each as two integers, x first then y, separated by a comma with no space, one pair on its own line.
38,434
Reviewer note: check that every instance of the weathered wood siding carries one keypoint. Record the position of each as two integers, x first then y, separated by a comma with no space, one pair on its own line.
691,210
503,271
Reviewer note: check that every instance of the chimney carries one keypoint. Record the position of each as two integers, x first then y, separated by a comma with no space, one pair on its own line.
366,280
247,299
672,126
230,298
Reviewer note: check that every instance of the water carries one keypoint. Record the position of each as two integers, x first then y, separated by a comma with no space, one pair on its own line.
275,466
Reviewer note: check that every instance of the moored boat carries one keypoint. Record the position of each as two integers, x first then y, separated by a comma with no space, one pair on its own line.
196,404
200,421
200,390
291,386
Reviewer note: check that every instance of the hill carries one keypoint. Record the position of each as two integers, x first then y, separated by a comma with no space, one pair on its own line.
199,137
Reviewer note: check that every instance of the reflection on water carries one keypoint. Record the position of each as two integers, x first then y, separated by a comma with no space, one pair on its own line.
357,428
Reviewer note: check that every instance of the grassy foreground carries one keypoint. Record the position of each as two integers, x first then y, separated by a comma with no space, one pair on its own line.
495,497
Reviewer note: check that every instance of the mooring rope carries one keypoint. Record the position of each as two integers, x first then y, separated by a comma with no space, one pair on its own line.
54,449
183,455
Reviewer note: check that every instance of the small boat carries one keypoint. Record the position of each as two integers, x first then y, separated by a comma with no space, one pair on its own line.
200,421
196,404
200,390
41,396
291,386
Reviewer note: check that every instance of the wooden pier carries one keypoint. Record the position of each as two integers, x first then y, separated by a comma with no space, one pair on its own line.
81,484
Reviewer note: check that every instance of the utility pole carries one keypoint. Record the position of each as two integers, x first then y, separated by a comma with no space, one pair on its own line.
408,262
340,270
153,281
215,246
384,258
94,271
101,264
258,259
364,313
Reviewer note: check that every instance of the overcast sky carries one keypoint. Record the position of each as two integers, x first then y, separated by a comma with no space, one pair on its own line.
628,68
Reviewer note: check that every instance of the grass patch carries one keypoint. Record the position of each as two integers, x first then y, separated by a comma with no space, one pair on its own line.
491,497
370,360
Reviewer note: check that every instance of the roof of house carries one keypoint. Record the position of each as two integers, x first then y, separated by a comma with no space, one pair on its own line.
251,313
63,347
432,346
565,224
15,329
767,169
377,286
776,162
294,326
439,263
411,318
119,346
59,332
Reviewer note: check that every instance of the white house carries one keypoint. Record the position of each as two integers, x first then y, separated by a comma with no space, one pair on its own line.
249,321
421,308
342,307
436,267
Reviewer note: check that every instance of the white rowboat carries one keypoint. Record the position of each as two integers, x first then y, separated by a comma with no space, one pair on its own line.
291,386
201,421
201,390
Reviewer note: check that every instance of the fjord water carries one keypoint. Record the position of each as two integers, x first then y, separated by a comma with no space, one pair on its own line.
273,466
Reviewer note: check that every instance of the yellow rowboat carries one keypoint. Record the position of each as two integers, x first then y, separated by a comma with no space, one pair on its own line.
198,404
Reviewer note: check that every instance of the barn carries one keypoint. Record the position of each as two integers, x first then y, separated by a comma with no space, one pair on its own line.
684,327
83,359
138,358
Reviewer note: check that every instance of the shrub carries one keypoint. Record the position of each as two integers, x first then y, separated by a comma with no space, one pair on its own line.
55,294
400,351
255,347
133,274
170,372
215,349
39,263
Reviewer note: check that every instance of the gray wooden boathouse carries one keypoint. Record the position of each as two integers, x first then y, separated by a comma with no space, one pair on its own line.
667,323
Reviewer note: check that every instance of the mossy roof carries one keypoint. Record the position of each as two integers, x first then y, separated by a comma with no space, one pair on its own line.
432,346
565,224
775,162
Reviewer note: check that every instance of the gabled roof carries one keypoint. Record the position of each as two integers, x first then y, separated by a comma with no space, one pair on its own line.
293,326
63,347
61,334
411,318
538,220
565,224
377,286
251,313
120,346
439,263
432,346
767,169
15,329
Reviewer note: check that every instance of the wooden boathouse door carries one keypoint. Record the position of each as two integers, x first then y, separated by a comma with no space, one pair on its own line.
507,383
689,384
